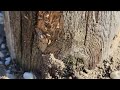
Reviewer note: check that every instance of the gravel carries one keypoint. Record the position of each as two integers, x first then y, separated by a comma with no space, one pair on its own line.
5,59
7,62
3,46
7,71
11,76
115,75
28,75
7,67
1,55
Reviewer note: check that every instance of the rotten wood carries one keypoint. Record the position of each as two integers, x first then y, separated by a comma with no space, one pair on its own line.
81,34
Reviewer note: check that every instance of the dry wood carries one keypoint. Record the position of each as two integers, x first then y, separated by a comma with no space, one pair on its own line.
81,34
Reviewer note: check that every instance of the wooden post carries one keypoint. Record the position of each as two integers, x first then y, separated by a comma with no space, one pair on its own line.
82,34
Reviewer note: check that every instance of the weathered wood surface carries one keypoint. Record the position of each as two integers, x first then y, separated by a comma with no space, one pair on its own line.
19,33
92,33
85,34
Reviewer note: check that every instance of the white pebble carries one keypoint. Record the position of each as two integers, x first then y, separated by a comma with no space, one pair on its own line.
3,46
70,77
115,75
1,54
8,59
28,75
1,62
7,62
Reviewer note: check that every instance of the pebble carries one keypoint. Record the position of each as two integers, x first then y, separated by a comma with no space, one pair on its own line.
1,54
28,75
3,46
8,59
10,76
115,75
70,77
1,62
7,62
7,71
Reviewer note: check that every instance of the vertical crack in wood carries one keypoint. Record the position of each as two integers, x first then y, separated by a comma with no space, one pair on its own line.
36,53
92,41
26,38
87,19
31,43
96,16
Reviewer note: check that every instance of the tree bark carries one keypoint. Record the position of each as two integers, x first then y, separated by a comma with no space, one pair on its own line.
87,35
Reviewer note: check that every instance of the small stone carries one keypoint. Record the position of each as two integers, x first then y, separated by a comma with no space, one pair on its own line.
1,62
1,55
8,59
115,75
4,51
70,77
10,76
7,71
7,62
3,46
28,75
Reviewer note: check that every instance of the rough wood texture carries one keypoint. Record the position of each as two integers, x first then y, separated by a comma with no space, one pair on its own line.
12,30
85,34
49,31
19,28
92,33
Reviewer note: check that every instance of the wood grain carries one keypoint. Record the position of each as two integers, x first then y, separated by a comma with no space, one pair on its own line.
81,34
